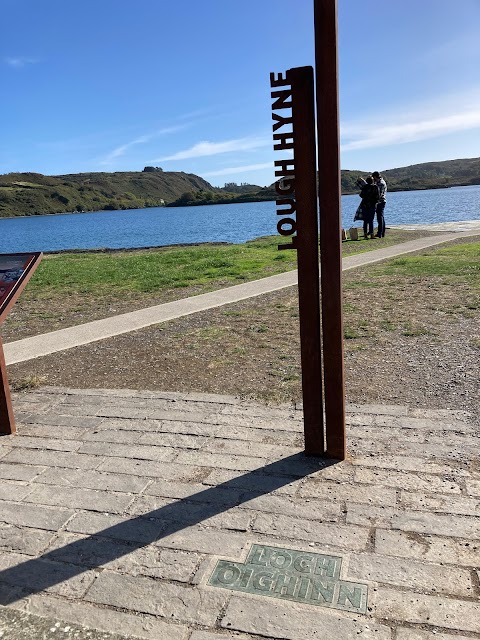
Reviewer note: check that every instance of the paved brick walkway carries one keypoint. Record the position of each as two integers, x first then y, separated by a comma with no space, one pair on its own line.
118,507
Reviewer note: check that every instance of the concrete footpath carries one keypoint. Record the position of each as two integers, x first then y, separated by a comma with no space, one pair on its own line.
167,516
38,346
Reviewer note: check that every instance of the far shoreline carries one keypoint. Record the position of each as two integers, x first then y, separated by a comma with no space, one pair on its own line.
447,228
172,205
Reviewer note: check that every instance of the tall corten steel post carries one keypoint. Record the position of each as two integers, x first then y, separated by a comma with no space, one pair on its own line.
326,73
293,114
303,115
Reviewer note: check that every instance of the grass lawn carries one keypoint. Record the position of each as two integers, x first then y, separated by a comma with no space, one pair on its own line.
146,271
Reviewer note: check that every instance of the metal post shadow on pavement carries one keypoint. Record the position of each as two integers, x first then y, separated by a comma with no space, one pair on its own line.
297,203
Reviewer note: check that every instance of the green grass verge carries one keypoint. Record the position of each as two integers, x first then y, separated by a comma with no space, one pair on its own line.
457,262
143,272
149,271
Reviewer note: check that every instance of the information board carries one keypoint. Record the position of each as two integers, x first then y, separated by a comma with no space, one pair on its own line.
15,271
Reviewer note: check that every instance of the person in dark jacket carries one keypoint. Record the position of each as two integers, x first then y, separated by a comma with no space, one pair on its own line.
369,195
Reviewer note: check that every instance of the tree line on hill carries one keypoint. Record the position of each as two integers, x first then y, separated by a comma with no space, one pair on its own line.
428,175
25,194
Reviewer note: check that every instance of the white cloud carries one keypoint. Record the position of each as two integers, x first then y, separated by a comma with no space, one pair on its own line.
120,150
195,114
233,170
463,49
214,148
403,128
20,61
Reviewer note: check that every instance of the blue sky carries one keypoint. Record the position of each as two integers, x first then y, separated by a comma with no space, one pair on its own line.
114,85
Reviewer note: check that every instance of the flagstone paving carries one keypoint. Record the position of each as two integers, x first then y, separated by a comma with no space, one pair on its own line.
129,514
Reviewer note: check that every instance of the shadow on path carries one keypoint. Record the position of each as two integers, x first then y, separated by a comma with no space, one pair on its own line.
112,543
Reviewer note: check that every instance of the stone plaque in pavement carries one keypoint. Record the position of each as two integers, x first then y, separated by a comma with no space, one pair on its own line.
287,574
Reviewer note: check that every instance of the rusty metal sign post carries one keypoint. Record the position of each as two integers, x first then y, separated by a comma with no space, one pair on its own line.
297,204
293,114
15,271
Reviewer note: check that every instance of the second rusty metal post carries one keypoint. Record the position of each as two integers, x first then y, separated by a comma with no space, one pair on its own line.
326,67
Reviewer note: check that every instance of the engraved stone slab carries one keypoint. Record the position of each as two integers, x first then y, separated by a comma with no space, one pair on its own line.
287,574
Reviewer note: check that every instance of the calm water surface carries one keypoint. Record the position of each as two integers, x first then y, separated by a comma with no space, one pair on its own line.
215,223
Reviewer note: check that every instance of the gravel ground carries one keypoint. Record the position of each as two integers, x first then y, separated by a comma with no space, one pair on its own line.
413,341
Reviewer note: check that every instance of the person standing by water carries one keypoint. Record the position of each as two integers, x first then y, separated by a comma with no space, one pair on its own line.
382,201
369,195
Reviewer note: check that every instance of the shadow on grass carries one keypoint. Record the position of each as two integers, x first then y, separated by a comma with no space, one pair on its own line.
112,543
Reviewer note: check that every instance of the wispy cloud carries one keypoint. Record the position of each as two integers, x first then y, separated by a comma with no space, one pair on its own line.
214,148
19,62
123,148
233,170
463,49
195,114
119,151
415,127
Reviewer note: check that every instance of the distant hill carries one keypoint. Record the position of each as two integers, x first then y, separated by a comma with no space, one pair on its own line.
26,194
428,175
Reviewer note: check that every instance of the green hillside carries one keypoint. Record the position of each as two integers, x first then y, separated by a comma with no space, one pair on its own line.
429,175
26,194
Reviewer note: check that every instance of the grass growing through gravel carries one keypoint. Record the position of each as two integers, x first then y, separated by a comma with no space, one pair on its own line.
410,293
451,263
461,261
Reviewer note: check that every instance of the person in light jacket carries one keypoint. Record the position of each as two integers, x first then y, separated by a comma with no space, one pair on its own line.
382,201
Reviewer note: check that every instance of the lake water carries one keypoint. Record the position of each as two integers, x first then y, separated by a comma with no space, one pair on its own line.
217,223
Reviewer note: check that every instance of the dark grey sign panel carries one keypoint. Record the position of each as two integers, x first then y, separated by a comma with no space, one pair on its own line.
287,574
